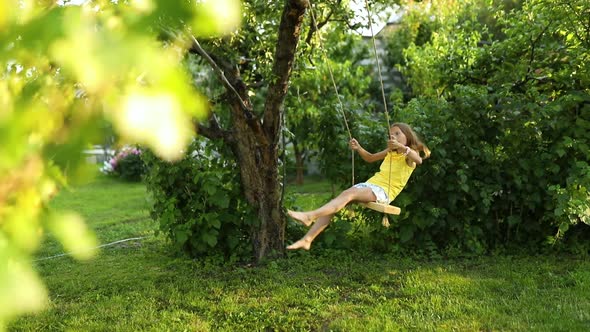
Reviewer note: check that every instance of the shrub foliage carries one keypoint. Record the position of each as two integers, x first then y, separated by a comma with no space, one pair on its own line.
508,121
500,94
198,202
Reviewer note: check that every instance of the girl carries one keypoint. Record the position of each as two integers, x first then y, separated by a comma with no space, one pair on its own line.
400,158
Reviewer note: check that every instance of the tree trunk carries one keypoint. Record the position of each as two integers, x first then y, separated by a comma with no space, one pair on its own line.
299,164
268,237
254,142
260,179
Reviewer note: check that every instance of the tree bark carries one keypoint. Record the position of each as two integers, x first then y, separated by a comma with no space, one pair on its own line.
269,237
299,164
255,142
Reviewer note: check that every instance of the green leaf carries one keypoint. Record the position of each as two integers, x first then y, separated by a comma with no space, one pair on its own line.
21,289
215,223
221,200
563,227
406,233
464,187
72,232
232,241
181,236
210,239
210,188
329,238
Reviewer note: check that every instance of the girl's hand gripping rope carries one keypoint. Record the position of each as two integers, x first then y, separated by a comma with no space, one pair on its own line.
354,144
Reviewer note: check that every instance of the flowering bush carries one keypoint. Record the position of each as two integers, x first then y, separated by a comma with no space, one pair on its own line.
126,164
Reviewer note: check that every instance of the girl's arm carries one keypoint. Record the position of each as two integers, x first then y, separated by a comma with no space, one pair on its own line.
366,155
412,157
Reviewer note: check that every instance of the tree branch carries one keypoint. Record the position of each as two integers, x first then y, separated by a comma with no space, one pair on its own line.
198,49
289,32
316,27
213,131
219,72
518,85
319,25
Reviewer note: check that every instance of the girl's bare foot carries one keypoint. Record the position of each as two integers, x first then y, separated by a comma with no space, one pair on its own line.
301,244
300,217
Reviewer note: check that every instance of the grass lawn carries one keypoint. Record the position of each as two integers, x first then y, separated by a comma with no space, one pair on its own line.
143,285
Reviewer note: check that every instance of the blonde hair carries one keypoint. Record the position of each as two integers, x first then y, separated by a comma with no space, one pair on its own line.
414,141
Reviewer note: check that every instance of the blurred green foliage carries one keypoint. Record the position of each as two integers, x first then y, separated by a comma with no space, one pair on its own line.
64,69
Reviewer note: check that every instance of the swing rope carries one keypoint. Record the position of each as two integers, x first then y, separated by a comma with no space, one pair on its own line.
378,65
314,22
386,111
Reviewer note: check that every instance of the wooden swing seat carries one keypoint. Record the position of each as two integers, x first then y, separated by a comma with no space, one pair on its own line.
384,208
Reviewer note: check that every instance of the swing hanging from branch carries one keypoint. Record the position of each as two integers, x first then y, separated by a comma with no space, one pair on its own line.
379,207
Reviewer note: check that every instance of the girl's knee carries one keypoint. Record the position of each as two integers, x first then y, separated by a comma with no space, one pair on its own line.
349,194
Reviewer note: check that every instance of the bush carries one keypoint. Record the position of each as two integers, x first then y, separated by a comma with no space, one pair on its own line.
126,164
509,133
198,202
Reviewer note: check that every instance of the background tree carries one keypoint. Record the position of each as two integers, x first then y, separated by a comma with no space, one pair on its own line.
252,131
254,66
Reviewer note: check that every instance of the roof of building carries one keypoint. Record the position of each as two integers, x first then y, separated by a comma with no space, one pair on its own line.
379,20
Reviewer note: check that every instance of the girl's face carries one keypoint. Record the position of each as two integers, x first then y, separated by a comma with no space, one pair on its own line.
396,134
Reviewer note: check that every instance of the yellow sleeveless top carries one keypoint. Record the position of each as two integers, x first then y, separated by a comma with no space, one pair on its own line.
394,164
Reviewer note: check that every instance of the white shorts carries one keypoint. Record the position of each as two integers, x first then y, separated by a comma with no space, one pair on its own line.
378,191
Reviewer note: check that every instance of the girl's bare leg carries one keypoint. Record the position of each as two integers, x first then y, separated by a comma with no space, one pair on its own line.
314,231
325,213
335,205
